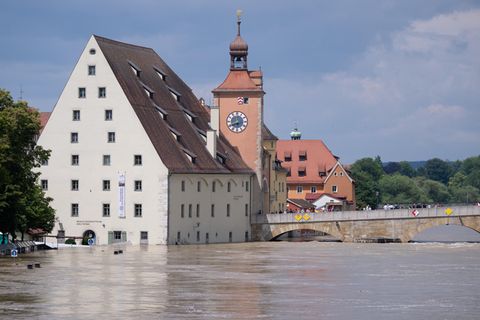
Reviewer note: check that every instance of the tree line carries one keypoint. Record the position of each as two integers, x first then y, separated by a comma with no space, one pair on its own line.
23,204
436,182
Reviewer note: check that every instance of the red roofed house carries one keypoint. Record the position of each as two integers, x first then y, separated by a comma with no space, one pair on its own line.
313,171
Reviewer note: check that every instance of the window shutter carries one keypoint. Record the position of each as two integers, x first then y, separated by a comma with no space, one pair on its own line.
110,237
124,236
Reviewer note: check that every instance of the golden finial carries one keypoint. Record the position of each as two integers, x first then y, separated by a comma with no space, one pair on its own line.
239,14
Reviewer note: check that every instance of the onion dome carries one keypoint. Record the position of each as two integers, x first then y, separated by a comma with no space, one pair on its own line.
295,134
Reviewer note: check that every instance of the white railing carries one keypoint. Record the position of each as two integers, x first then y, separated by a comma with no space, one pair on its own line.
437,212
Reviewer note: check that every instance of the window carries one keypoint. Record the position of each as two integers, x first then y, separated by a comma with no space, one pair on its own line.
228,209
246,209
106,210
190,210
183,186
102,92
313,189
228,186
91,70
75,160
288,156
138,185
230,236
92,51
246,236
212,210
74,209
198,211
111,137
137,160
289,172
206,237
334,189
341,174
106,159
182,211
299,189
44,184
138,210
76,115
74,137
148,91
198,236
335,174
108,115
74,185
106,185
143,235
82,93
199,186
117,235
302,172
246,186
213,186
302,156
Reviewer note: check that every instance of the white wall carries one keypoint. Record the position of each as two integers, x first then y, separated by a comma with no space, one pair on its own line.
217,227
131,139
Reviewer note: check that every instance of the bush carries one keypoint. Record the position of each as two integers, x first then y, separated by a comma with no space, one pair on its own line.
70,241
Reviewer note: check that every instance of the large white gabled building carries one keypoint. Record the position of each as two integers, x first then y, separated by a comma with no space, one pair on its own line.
137,158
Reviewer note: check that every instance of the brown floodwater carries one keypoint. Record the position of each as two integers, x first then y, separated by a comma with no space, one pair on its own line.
272,280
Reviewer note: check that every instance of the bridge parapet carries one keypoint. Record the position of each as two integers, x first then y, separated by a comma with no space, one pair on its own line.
455,211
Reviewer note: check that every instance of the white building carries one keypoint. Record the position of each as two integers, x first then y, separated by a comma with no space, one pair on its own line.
135,159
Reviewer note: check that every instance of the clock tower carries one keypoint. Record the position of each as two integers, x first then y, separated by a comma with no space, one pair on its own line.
239,100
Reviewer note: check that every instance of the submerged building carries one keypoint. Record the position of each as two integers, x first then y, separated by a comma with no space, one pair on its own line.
137,157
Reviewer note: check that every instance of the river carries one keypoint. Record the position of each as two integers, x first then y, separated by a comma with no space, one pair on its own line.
270,280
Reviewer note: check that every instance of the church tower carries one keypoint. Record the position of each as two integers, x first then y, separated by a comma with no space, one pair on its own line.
239,100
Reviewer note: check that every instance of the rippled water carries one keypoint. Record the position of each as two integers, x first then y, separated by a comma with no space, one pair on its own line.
273,280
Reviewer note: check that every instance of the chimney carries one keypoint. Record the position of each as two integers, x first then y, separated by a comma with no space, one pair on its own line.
215,119
212,142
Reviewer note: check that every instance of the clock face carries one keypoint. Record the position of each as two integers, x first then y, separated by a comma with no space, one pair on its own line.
237,121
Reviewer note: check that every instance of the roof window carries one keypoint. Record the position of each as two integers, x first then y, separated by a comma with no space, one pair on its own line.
160,73
136,70
161,112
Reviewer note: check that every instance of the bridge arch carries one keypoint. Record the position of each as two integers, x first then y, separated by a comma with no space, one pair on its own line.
328,228
421,225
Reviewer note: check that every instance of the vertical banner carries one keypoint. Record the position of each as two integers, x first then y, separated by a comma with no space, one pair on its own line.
121,190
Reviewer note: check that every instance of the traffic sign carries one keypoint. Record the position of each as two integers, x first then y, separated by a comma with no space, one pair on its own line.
14,253
90,242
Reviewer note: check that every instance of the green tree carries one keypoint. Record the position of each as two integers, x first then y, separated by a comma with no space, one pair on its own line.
398,189
406,169
367,172
22,203
461,191
435,191
438,170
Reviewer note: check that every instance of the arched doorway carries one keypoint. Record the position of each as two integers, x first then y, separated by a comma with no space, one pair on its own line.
87,235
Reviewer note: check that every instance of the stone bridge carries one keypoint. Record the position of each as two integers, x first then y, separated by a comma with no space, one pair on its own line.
357,226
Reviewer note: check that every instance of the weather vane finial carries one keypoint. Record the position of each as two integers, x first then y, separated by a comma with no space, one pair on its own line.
239,20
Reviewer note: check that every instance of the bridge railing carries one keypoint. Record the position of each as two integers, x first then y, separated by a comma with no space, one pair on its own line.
418,213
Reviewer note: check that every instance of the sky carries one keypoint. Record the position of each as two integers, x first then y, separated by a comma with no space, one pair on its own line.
395,78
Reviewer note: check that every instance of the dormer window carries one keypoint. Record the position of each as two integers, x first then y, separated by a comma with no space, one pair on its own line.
192,159
175,94
136,70
190,115
175,134
161,112
148,91
160,73
221,158
191,156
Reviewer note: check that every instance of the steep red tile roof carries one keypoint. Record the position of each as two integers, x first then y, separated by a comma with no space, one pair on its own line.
318,159
238,80
120,57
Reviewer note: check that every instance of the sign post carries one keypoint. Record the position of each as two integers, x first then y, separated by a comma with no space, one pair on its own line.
14,253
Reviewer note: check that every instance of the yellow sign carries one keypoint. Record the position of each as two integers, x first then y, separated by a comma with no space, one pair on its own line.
298,217
448,211
306,217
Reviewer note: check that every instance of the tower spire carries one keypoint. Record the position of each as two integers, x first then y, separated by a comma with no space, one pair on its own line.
238,49
239,21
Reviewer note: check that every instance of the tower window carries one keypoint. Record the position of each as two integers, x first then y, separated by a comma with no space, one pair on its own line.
199,186
212,210
137,160
74,137
197,211
229,186
92,51
106,159
138,185
74,185
82,93
182,211
190,210
91,70
228,209
106,185
44,185
183,186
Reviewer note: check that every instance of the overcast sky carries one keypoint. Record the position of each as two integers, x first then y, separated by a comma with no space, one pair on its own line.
399,79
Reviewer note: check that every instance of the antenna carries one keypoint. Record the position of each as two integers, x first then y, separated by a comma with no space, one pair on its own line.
21,93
